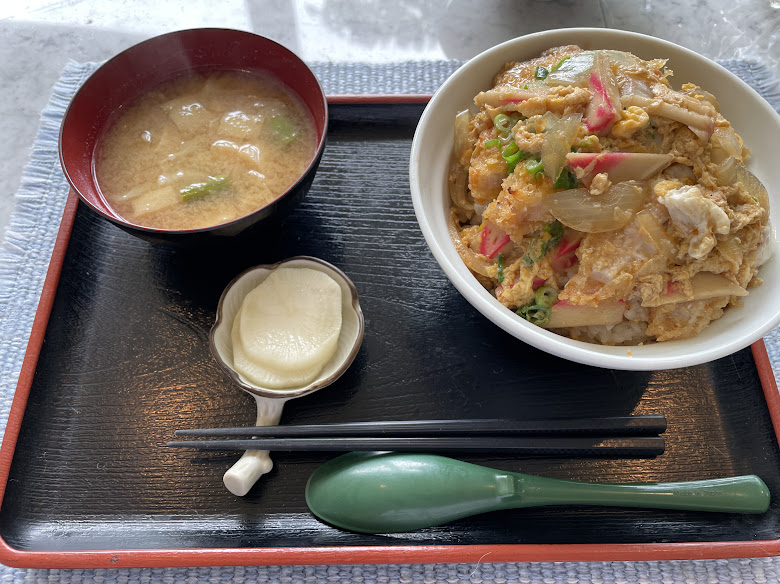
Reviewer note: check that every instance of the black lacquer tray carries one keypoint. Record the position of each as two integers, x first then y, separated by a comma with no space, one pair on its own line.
124,361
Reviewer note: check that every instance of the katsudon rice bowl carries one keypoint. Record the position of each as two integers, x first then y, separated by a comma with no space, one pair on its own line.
605,196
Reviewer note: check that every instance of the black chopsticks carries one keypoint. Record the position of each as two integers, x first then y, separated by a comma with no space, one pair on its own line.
632,436
644,425
551,446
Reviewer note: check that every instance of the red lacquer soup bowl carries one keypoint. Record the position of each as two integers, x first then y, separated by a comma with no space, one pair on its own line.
130,74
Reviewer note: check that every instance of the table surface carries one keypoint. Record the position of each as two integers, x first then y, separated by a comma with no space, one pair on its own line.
39,37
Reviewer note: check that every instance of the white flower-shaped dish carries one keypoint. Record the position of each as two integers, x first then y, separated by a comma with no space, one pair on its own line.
255,463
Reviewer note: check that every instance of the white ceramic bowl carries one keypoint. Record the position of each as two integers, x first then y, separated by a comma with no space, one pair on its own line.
752,117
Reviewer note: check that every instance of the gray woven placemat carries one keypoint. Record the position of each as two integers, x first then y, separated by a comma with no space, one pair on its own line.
24,256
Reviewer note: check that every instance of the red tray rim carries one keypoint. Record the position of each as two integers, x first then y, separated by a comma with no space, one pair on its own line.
407,554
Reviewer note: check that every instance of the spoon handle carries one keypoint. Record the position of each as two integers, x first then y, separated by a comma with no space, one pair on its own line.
388,492
740,494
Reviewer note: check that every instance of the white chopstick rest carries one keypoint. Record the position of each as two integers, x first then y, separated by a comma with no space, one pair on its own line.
253,464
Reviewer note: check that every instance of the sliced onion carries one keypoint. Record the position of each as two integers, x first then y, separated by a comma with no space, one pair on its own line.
708,285
564,314
462,130
541,123
475,262
574,71
578,209
731,251
459,175
726,172
557,144
704,285
703,135
754,186
625,60
681,172
633,86
655,230
725,143
731,172
709,97
764,251
688,102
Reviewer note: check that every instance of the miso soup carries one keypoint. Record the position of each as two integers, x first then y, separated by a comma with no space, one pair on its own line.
204,149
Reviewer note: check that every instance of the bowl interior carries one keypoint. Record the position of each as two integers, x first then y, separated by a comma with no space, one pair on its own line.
350,337
128,75
752,117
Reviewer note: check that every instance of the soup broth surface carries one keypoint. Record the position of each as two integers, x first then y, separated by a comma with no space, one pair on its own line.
204,149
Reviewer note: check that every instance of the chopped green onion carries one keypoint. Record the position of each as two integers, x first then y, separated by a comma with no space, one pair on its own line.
512,154
566,180
493,142
541,73
546,296
558,65
540,245
535,252
500,264
199,190
513,160
535,167
534,313
509,150
501,123
555,229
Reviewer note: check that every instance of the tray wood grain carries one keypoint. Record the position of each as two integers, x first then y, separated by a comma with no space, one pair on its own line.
119,358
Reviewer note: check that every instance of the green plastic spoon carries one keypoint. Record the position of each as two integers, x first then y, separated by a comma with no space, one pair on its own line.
388,492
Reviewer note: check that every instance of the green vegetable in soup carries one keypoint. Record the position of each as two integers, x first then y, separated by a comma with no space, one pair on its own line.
195,191
283,129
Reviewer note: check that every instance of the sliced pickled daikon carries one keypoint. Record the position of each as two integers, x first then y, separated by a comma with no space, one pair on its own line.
264,376
288,328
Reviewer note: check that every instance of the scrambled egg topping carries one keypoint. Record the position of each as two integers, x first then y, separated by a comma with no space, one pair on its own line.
593,199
